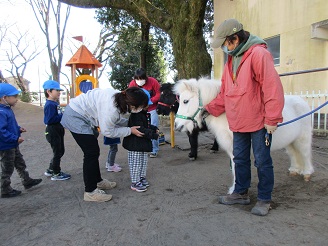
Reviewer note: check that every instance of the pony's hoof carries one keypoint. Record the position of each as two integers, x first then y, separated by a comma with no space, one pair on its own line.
212,151
307,177
192,158
293,174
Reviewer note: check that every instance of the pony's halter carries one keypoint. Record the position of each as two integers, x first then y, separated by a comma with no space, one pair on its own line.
192,118
169,105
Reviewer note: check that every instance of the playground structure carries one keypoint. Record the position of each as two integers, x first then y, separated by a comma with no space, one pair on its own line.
88,79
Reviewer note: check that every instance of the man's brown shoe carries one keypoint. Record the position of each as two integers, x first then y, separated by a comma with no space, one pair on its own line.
235,198
261,208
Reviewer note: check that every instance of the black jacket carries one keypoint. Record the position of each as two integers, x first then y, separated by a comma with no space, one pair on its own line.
140,144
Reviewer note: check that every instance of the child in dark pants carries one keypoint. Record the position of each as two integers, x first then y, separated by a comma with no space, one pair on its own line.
10,155
54,130
138,148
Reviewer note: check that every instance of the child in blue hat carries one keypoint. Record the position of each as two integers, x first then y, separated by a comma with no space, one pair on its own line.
54,130
10,138
138,148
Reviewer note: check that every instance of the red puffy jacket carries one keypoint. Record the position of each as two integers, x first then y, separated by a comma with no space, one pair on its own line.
153,87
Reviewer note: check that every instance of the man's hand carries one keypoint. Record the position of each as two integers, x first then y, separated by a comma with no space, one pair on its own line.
270,129
204,114
134,131
22,129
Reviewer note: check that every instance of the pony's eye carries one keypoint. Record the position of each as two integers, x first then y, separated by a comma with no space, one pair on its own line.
185,101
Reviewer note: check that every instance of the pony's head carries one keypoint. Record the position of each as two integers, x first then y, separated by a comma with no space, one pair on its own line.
194,95
168,102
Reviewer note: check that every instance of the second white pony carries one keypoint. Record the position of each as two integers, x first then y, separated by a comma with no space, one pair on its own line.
295,137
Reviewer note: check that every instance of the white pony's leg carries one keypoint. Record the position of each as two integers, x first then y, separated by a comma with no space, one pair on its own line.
295,166
232,188
226,143
219,127
300,151
303,147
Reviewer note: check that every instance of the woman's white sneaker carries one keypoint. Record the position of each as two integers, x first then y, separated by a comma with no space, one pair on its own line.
106,185
97,196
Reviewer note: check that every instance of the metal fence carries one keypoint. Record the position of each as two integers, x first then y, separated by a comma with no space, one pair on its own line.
319,118
39,99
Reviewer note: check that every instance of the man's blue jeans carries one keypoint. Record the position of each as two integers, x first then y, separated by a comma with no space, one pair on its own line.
242,143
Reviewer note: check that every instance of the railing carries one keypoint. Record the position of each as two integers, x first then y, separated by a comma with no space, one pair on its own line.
319,118
40,99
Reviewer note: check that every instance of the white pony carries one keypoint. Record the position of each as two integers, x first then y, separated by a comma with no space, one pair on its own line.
296,137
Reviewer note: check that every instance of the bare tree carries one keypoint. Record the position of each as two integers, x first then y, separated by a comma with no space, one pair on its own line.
2,78
102,51
183,21
19,55
44,11
3,32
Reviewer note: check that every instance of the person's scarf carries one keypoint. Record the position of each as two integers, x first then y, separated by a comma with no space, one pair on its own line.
237,53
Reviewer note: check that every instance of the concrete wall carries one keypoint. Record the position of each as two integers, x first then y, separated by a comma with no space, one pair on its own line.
292,20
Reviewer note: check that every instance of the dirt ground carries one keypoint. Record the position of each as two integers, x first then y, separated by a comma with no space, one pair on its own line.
179,208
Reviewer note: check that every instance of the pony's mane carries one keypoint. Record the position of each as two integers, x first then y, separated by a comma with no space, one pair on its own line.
209,87
166,87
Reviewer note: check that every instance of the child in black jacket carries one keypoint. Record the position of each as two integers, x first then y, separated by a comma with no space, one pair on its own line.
139,146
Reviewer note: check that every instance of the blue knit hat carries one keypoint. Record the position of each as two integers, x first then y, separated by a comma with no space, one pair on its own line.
51,84
8,90
147,93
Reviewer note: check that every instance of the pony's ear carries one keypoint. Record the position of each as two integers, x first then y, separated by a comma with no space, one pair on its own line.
191,85
188,86
179,87
185,84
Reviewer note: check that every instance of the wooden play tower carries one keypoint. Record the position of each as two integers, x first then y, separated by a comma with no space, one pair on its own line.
85,60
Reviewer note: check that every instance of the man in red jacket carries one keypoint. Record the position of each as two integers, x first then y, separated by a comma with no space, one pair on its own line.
252,97
153,87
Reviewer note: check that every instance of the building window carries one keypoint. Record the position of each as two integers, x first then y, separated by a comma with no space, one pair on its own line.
274,48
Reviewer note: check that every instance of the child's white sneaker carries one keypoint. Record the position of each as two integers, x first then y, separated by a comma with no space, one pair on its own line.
115,168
